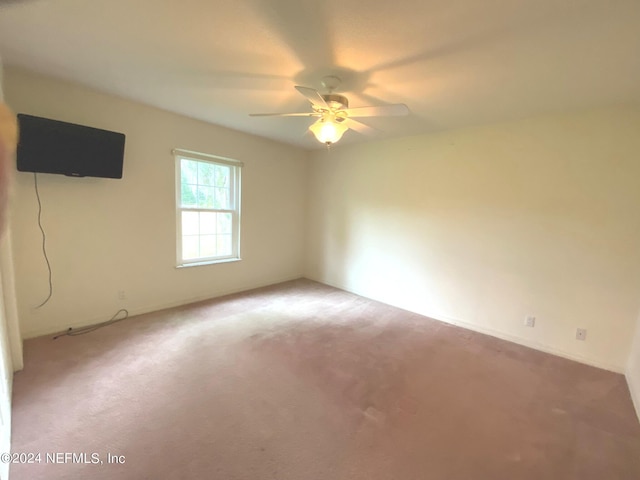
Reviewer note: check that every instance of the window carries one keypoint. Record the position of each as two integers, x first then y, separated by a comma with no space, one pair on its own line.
208,208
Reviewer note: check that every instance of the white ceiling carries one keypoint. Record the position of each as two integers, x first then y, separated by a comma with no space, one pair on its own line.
455,63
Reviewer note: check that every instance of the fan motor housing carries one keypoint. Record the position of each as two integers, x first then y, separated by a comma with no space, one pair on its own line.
335,101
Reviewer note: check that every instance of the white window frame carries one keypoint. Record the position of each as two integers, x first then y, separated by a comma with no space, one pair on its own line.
235,190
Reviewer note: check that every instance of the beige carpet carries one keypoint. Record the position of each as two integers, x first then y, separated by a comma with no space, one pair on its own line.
301,381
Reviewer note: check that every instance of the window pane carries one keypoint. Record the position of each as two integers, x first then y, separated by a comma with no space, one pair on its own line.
190,223
188,195
205,197
189,171
190,248
206,173
206,188
222,199
208,223
207,245
224,244
222,175
224,223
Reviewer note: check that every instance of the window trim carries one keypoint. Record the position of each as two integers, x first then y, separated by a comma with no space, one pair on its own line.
235,186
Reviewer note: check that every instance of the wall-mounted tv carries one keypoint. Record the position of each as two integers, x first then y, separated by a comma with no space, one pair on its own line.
52,146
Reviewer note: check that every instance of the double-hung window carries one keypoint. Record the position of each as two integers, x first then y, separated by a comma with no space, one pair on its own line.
208,208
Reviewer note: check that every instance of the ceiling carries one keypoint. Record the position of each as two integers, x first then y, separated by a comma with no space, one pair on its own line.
455,63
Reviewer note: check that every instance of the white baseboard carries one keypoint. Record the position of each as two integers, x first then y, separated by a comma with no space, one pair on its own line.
502,335
452,321
531,344
155,308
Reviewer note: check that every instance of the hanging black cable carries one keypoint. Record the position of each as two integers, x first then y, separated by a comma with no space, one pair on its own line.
44,240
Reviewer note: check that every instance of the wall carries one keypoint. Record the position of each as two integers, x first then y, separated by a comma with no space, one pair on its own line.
107,235
484,226
10,341
633,369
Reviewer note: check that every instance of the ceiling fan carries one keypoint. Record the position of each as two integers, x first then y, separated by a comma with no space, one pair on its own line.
333,112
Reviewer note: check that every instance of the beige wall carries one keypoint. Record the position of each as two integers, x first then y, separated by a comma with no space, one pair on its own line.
107,235
484,226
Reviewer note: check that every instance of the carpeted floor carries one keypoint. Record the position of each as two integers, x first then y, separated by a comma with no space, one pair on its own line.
301,381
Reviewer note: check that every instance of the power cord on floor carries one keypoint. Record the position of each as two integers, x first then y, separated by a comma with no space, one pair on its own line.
74,332
44,239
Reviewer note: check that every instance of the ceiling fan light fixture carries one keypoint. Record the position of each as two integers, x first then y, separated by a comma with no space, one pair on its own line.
335,116
328,130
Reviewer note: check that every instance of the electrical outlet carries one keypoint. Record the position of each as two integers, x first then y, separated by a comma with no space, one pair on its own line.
581,334
122,295
530,321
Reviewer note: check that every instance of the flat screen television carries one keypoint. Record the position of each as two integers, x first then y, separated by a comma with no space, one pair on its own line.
52,146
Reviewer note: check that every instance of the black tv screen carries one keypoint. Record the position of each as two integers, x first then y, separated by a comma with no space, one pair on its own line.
52,146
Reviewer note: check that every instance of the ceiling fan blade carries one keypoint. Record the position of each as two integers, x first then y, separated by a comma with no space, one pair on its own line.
359,126
313,96
397,109
308,114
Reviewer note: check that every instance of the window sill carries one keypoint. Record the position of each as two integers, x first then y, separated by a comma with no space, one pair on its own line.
208,262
